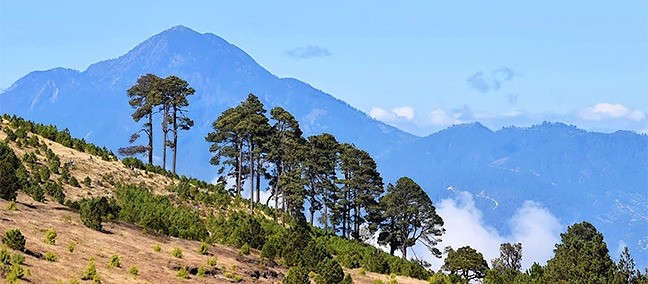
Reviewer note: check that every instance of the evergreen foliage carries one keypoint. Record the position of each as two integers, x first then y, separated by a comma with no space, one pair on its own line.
582,257
14,239
9,163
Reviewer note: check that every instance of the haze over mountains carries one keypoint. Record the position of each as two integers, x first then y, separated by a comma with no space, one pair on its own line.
577,175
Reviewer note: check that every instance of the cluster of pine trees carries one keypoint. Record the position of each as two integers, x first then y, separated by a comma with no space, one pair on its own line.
334,180
167,96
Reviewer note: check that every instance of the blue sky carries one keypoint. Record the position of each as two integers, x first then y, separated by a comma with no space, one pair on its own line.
418,65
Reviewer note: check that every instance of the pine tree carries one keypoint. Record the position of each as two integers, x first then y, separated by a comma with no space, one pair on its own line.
582,257
144,97
409,217
285,148
467,263
319,172
176,91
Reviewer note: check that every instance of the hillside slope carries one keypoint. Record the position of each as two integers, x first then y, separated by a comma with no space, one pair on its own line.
134,245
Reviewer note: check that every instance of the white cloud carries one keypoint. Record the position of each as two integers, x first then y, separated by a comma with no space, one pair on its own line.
404,111
397,113
532,225
604,111
442,117
380,114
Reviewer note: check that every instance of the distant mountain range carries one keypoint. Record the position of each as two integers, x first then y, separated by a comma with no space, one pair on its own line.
578,175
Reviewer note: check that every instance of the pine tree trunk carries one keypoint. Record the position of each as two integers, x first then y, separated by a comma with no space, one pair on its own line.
258,182
150,139
165,131
175,139
251,148
240,168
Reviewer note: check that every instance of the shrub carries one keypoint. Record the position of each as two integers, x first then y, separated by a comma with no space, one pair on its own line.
74,182
201,272
212,261
71,247
157,248
183,273
14,239
374,261
17,258
87,182
330,270
50,256
347,279
176,252
90,273
245,249
94,211
133,270
9,164
11,206
296,275
55,191
50,236
36,192
114,261
15,272
203,249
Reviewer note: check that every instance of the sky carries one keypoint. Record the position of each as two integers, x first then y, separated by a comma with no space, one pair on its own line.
418,65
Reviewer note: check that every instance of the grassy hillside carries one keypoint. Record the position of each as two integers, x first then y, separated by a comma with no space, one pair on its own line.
136,246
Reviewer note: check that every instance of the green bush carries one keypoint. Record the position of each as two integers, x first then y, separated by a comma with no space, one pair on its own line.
157,248
17,258
74,182
183,273
9,163
203,248
330,270
55,191
245,249
71,247
374,261
15,272
296,275
87,181
114,261
94,211
50,256
133,270
347,279
14,239
270,248
212,261
50,236
90,272
176,252
36,192
158,213
11,206
201,272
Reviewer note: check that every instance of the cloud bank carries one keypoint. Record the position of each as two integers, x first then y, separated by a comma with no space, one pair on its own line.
309,51
532,225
